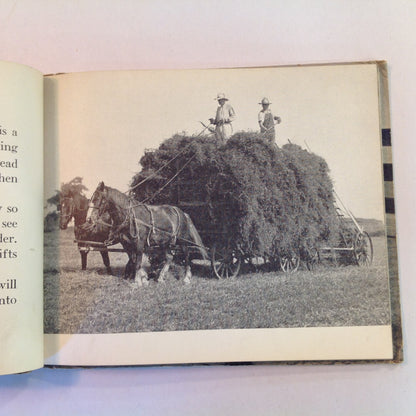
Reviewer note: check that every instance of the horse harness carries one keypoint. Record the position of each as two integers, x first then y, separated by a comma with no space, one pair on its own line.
132,220
152,228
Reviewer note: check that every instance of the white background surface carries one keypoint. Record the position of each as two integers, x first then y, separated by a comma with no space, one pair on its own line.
65,36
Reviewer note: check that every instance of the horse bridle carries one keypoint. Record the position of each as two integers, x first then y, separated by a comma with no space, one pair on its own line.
91,204
100,208
71,214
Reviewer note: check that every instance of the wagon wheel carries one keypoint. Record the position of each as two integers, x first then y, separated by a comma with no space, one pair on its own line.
225,262
363,249
313,259
289,264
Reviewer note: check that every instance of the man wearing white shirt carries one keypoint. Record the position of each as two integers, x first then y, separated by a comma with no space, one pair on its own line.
223,119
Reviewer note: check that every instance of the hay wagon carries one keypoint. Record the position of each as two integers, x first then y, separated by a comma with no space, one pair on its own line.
251,202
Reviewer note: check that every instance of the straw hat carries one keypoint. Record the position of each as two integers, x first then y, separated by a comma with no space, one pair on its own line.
265,101
221,96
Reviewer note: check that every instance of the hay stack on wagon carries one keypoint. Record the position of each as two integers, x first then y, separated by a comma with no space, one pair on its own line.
269,202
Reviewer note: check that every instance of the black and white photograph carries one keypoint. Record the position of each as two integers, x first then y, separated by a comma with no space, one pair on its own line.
219,199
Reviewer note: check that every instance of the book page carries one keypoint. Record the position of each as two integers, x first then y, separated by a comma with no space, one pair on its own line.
239,151
21,224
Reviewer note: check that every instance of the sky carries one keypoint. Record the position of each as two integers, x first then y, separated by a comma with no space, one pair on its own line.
98,124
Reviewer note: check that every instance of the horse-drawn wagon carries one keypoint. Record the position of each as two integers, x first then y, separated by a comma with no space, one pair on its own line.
249,201
252,202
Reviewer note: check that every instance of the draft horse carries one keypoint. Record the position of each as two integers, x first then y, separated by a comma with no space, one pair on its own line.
142,228
75,205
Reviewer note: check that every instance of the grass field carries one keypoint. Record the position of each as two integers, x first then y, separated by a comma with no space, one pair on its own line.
94,302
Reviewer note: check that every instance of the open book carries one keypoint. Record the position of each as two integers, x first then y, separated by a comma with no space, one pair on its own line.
197,216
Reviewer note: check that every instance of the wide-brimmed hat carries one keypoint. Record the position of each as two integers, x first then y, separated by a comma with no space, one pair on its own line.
265,101
221,96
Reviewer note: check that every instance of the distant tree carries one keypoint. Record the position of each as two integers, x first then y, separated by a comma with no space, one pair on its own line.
74,186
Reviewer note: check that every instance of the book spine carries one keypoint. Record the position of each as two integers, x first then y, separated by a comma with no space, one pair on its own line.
390,214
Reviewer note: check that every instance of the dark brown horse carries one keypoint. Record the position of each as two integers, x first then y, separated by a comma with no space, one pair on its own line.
74,205
141,228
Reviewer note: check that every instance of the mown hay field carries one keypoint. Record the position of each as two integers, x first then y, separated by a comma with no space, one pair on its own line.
93,302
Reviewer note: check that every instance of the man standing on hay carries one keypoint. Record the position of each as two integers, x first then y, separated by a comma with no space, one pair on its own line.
224,117
267,121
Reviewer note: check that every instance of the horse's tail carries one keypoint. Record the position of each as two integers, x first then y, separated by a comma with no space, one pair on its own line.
195,237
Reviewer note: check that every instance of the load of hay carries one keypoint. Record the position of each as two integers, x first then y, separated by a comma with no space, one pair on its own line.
269,202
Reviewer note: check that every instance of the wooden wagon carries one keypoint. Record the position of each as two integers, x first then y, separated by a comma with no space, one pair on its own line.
205,191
